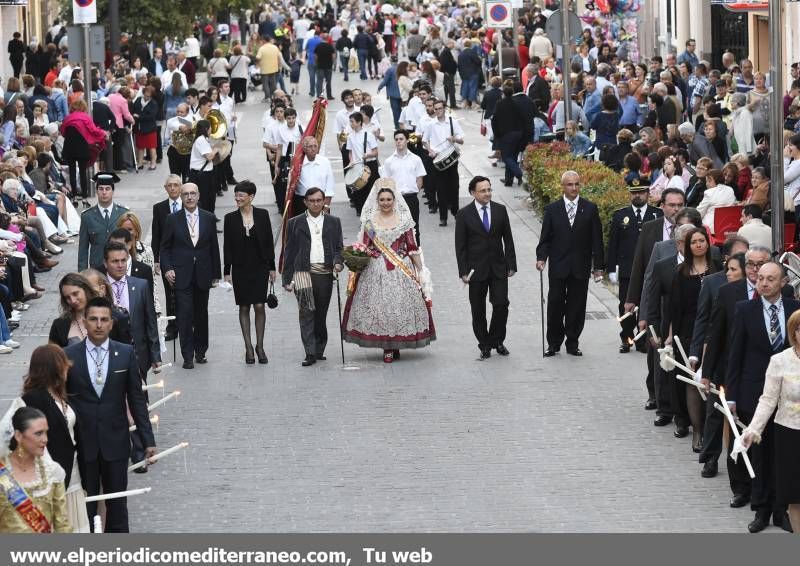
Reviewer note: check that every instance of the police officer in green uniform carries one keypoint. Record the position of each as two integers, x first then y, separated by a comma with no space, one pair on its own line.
98,222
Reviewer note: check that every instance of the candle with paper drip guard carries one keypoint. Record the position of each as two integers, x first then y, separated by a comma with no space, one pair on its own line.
164,400
117,495
736,433
157,385
157,457
686,360
153,420
469,276
739,423
628,314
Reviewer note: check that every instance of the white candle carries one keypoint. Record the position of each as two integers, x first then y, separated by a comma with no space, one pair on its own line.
627,314
164,400
736,433
158,385
158,456
162,366
655,336
739,423
165,318
686,359
153,420
469,276
98,525
642,333
117,495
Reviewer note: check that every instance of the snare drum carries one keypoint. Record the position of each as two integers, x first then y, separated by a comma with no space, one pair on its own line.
446,158
357,175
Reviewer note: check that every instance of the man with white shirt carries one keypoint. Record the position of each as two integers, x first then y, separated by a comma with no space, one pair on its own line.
227,107
363,148
172,68
273,120
315,172
301,27
415,110
408,172
178,162
753,228
342,122
285,140
312,255
443,135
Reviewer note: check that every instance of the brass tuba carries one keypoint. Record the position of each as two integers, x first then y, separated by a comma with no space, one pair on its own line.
219,126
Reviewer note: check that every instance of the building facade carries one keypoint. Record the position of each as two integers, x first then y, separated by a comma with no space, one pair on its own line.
32,18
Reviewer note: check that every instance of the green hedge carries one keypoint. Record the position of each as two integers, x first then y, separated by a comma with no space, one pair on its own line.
544,163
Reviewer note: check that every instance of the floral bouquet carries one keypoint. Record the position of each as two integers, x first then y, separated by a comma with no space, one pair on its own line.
356,257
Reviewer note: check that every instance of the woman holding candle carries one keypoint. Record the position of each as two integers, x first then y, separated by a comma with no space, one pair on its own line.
31,479
782,390
681,316
45,389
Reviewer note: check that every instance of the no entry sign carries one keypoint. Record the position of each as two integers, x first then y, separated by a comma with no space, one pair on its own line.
84,11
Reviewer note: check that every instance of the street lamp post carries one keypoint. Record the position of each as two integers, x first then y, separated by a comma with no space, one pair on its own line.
776,122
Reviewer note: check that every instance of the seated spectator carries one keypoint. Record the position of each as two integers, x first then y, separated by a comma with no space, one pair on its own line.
671,177
760,192
753,227
697,182
614,156
716,194
579,143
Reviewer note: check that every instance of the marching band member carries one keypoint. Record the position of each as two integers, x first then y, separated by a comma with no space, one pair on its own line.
373,124
316,172
286,139
408,173
429,185
343,124
363,148
228,108
201,166
271,126
442,135
177,155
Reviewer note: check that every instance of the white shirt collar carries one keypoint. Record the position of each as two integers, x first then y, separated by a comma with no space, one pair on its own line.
104,346
567,202
102,209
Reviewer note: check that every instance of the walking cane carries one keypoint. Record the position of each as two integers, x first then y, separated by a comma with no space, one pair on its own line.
339,301
541,294
133,150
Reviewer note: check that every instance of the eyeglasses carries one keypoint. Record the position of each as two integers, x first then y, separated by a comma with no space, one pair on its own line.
752,264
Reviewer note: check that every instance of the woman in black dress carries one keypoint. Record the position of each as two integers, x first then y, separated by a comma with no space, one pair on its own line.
686,283
249,249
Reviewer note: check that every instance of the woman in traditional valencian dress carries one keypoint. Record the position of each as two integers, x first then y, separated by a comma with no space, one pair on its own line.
32,495
387,309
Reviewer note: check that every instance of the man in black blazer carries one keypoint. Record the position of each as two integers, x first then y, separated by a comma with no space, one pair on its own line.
135,267
103,379
759,332
486,259
626,225
311,278
572,239
191,264
538,87
161,210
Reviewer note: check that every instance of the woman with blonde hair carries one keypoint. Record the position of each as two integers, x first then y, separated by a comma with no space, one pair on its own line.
141,251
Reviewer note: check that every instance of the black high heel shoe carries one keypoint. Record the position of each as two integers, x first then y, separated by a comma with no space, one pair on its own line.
249,357
262,356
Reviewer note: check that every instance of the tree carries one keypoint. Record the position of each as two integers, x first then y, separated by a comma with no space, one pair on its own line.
156,19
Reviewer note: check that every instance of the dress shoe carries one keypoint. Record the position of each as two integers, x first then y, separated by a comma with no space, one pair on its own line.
624,348
739,500
574,352
309,361
650,405
681,432
142,470
249,356
188,365
502,350
697,442
781,520
432,209
486,353
201,358
710,470
32,296
443,223
47,263
37,269
170,335
758,524
550,352
13,325
321,357
662,420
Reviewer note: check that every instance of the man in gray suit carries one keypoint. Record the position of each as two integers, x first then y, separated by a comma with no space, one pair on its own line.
135,296
98,222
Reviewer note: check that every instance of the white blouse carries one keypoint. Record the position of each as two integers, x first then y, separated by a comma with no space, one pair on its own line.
781,390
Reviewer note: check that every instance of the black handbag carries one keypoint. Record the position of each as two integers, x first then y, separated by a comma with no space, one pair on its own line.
272,299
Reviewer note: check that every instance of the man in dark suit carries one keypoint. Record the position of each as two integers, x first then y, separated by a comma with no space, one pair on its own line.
626,225
161,210
538,88
191,264
98,221
486,259
759,332
719,334
572,239
310,276
104,377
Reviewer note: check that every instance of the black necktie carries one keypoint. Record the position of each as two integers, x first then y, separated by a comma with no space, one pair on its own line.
638,216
